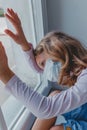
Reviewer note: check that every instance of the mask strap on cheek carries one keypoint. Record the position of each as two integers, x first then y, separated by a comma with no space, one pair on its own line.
51,70
55,71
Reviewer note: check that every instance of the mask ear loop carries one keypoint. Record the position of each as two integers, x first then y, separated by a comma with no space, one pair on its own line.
55,71
47,74
51,70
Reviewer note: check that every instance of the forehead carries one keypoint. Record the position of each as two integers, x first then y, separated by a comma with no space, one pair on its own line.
46,56
53,58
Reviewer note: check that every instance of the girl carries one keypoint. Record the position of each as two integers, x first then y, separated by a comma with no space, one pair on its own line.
73,57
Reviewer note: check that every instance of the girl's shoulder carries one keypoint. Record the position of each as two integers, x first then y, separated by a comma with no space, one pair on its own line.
83,73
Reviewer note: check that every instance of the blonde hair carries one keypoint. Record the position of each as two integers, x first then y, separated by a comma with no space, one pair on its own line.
67,50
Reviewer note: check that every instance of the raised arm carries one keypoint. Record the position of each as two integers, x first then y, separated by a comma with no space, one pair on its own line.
20,39
19,36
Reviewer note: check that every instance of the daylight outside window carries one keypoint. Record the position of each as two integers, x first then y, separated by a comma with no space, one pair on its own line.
13,115
5,98
10,108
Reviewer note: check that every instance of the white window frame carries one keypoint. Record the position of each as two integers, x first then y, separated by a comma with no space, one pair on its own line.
39,11
2,121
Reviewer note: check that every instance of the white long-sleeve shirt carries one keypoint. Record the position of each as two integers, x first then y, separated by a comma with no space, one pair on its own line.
29,55
47,107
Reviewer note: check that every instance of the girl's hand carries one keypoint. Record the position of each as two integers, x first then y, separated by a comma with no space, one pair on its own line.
3,59
5,72
54,92
19,36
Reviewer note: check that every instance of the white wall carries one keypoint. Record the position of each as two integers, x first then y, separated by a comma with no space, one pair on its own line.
69,16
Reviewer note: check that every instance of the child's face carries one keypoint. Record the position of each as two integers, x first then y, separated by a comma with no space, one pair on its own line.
41,60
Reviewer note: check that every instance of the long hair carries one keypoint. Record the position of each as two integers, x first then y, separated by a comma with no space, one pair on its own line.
67,50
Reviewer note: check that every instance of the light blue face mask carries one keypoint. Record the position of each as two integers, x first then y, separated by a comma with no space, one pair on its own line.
51,70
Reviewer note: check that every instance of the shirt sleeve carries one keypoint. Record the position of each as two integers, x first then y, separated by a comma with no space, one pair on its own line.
48,107
30,58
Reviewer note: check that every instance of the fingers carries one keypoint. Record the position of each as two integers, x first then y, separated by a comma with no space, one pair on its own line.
1,44
11,12
15,15
1,47
10,34
12,16
10,19
14,19
3,57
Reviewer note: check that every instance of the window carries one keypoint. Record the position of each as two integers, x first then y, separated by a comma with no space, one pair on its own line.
5,98
7,45
11,110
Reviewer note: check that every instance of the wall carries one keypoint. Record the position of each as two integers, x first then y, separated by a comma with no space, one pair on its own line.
68,16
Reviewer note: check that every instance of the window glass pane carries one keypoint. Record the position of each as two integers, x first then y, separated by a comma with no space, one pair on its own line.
2,25
10,107
11,110
8,47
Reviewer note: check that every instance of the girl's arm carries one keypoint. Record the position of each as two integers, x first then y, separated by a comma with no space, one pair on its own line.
39,105
19,36
20,39
30,58
52,106
5,72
